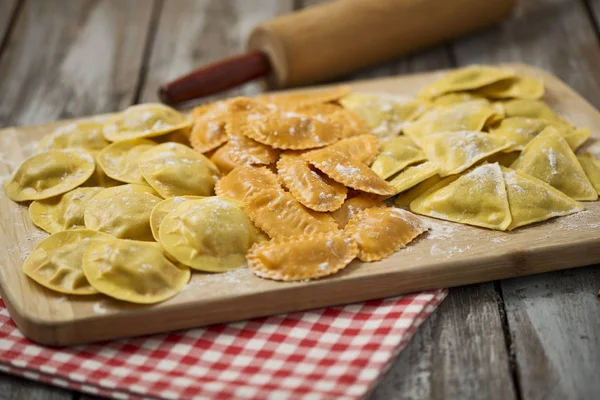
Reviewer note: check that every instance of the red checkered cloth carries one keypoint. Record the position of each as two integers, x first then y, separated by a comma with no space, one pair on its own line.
337,352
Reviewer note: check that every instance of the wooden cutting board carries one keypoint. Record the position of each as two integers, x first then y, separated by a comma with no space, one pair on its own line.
449,255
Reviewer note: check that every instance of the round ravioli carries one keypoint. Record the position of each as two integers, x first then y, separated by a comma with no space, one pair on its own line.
120,160
144,120
173,169
62,212
83,135
160,211
56,262
302,257
133,271
49,174
123,211
211,234
222,159
208,131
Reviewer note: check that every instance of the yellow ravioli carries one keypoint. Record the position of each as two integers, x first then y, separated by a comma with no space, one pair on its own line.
385,115
454,152
548,157
406,197
380,232
468,78
208,131
279,214
363,148
137,272
531,109
222,159
521,130
517,87
476,198
311,188
160,211
99,177
144,121
62,212
246,180
396,154
532,200
502,158
211,234
577,137
122,211
469,116
354,205
591,167
85,135
302,257
303,97
173,169
455,98
120,160
49,174
349,171
412,176
56,262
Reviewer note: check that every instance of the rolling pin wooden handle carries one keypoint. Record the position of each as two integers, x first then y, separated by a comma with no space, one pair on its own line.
216,77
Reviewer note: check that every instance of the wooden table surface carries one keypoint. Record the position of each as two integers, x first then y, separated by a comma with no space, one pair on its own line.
529,338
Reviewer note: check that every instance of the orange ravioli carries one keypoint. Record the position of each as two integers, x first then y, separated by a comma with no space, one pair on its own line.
246,151
353,206
352,124
380,232
279,214
309,187
364,148
208,131
243,181
302,257
305,98
349,171
221,158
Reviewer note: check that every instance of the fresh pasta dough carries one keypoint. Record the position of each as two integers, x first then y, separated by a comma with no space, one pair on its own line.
211,234
120,160
133,271
49,174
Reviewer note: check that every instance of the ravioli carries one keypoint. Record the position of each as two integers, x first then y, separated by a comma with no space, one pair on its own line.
577,137
406,197
517,87
222,159
133,271
99,177
62,212
85,135
173,169
412,176
521,130
469,116
348,171
384,114
246,151
208,131
56,262
304,97
122,211
549,158
120,160
468,78
351,124
160,211
363,148
449,99
49,174
591,167
302,257
144,121
532,200
380,232
311,188
396,154
279,214
354,205
211,234
476,198
531,109
243,181
454,152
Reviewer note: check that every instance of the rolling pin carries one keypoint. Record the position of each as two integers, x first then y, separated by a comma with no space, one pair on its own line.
335,38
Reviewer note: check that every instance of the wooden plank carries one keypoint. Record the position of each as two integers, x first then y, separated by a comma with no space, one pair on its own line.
71,58
553,319
455,353
13,388
7,13
461,258
192,33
